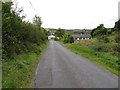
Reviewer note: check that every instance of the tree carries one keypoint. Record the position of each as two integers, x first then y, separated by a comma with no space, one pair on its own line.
117,29
117,25
100,30
59,33
37,21
19,36
67,38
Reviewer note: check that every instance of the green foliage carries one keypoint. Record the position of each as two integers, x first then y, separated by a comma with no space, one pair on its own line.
67,38
59,33
103,38
56,39
104,47
117,38
107,41
19,36
22,44
19,72
37,21
117,26
107,60
100,30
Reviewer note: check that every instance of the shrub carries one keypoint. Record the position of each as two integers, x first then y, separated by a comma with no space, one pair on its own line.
67,38
56,39
19,36
117,38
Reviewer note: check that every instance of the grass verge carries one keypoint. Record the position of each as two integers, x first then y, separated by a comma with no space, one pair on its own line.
19,73
103,59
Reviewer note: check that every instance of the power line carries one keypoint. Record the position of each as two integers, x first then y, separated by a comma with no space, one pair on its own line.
33,7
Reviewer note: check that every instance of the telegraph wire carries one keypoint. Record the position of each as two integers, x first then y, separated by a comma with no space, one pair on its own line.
33,7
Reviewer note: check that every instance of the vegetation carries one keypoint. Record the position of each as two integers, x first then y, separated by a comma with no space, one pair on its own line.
19,36
59,33
37,21
103,49
56,39
67,38
107,60
107,40
22,44
64,37
117,26
19,72
100,30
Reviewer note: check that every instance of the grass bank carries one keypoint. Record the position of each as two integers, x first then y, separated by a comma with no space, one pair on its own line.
106,60
19,73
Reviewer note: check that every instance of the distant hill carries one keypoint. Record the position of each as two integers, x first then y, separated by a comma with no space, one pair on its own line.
72,31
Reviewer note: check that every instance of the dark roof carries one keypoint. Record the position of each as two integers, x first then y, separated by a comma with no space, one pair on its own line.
82,35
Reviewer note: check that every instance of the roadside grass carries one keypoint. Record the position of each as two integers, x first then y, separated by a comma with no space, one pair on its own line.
106,60
0,74
19,73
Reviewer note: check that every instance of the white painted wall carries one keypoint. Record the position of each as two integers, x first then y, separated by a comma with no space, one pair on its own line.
78,38
51,36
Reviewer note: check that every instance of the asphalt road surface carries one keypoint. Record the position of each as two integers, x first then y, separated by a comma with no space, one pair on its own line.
61,68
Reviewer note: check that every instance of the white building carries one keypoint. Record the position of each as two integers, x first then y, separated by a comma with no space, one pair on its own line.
82,36
51,37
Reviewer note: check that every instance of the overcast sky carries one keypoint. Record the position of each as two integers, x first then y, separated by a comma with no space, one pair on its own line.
72,14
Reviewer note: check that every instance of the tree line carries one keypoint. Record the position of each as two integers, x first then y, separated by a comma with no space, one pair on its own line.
19,36
101,32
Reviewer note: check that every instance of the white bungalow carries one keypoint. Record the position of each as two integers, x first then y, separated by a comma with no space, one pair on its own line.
82,36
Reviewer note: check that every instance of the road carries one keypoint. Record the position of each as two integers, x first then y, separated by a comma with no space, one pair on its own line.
61,68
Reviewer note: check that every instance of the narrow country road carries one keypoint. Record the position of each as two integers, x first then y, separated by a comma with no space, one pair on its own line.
61,68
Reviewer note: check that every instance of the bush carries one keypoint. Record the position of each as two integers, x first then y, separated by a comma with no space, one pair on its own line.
18,36
67,38
103,38
99,31
104,47
104,59
117,38
56,39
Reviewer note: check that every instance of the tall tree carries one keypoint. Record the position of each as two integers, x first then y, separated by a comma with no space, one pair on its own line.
19,36
60,32
117,25
100,30
37,21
